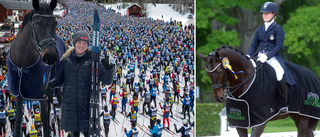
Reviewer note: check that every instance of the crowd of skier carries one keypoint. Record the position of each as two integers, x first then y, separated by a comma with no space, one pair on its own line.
154,73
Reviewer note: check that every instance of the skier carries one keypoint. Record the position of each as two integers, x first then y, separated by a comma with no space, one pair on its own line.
132,133
136,89
106,119
12,117
150,82
2,121
37,119
166,107
186,105
33,132
156,81
124,96
115,78
133,117
113,90
119,71
191,94
170,100
103,94
153,116
147,99
35,105
128,77
53,121
57,115
24,122
156,131
186,76
135,103
184,130
132,77
141,86
177,92
153,92
114,104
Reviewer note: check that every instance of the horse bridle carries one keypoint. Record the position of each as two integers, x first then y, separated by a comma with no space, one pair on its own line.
224,85
45,42
216,86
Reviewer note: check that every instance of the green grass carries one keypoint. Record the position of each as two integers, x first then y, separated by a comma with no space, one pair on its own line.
283,125
208,121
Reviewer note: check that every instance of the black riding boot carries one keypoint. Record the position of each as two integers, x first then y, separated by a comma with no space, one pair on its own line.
283,86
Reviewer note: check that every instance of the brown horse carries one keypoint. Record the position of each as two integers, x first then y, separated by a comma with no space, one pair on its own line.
224,81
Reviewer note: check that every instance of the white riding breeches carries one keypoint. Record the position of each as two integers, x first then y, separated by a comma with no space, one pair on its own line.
273,62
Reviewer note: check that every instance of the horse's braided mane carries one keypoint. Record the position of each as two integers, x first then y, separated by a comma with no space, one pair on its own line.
234,49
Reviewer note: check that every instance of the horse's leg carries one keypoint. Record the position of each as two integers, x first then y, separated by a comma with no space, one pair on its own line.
242,132
257,131
58,94
45,117
303,126
19,114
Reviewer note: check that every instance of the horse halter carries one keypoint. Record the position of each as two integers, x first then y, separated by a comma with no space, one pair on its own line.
46,42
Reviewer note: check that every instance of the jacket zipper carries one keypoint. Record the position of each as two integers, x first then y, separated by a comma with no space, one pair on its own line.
78,119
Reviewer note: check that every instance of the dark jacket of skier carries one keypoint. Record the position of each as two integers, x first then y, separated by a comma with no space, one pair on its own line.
75,74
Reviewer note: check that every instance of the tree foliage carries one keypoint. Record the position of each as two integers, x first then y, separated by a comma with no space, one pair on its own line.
303,37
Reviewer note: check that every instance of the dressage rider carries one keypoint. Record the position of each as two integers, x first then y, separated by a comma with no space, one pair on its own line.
270,37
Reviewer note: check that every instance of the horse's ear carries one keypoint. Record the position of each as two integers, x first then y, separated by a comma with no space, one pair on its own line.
53,4
202,57
35,4
217,57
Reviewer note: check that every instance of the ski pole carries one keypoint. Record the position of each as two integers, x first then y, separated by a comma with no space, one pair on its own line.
123,121
114,125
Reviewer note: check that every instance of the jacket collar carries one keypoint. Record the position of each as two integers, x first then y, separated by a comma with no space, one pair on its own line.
273,24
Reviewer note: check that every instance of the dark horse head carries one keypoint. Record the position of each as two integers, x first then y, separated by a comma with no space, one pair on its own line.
37,36
222,78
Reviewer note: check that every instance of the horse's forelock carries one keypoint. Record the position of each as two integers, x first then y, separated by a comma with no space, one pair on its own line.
44,9
27,18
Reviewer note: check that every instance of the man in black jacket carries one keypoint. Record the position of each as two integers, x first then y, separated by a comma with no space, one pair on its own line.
74,74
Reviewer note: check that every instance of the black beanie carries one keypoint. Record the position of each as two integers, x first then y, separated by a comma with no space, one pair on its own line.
81,35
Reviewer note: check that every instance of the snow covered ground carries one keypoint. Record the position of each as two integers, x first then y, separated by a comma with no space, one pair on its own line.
157,11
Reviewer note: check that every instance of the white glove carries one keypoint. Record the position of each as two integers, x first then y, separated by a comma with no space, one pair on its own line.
263,58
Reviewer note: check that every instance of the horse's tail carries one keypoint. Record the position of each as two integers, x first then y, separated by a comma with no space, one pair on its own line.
67,53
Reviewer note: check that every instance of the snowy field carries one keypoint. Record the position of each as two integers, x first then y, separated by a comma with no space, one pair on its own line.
157,11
